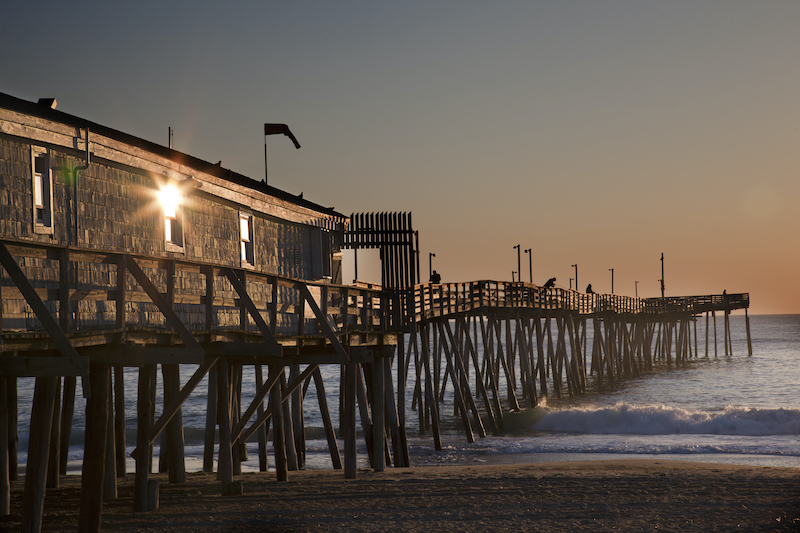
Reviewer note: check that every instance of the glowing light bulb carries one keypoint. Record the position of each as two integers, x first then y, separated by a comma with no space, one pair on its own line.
170,199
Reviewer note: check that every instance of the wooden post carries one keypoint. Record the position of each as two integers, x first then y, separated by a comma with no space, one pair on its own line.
211,421
297,418
5,483
278,438
330,433
144,456
263,464
110,477
430,392
119,421
38,451
176,463
53,468
239,448
94,457
747,326
378,412
363,409
714,316
13,435
225,472
349,421
288,426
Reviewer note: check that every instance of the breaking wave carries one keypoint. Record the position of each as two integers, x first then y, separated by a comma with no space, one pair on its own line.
625,419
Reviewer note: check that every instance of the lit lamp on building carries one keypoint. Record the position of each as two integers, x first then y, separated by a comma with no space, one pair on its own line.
171,199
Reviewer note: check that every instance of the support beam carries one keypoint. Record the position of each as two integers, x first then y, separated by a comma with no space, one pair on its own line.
93,474
163,305
44,396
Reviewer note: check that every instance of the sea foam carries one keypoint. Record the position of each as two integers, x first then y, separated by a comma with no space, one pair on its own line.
625,419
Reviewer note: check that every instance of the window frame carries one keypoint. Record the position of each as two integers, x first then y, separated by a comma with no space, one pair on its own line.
44,184
246,245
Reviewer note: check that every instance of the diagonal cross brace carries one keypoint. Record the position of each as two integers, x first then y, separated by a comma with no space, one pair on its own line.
158,299
259,397
172,409
50,325
274,348
327,328
244,434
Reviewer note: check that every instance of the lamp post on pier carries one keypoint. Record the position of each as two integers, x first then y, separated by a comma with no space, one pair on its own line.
430,264
662,275
519,263
576,276
637,288
530,263
612,280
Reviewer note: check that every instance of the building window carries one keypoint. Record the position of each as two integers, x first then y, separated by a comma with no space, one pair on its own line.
171,200
246,239
42,184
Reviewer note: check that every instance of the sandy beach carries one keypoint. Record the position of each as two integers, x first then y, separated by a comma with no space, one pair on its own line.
624,495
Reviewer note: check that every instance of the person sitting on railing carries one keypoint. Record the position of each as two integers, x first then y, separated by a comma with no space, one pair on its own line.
589,289
436,278
550,283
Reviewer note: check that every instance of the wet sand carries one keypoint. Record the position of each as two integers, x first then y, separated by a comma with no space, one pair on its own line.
616,495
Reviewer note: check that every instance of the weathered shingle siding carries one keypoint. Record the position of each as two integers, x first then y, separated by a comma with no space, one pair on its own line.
118,211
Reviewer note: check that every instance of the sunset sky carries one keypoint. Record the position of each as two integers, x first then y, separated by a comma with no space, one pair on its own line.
597,133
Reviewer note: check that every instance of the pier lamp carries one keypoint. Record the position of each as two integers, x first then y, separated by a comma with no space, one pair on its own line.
430,264
519,261
612,279
637,288
576,276
530,263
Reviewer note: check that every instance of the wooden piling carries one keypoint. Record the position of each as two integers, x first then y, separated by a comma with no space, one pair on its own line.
144,454
119,420
95,448
176,463
348,417
53,467
211,421
278,437
5,483
38,452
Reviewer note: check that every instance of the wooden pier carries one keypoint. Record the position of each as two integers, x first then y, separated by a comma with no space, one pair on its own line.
169,313
116,252
500,346
497,346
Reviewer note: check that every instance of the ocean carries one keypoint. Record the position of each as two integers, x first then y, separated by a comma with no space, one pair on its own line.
736,409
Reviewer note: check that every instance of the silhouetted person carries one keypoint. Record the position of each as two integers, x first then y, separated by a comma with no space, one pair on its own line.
589,289
550,283
435,277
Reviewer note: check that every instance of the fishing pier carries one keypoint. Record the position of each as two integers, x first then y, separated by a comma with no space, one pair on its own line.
502,346
118,253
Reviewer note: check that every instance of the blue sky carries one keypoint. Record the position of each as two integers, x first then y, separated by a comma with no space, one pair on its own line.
601,133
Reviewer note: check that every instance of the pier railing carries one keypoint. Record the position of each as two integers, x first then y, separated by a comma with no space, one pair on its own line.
99,297
437,300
